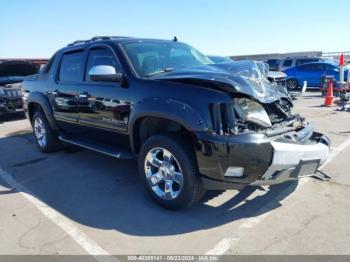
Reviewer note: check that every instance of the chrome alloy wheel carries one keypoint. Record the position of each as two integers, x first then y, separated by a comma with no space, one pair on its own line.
40,132
163,173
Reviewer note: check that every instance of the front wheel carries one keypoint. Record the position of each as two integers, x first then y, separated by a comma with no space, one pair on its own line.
168,169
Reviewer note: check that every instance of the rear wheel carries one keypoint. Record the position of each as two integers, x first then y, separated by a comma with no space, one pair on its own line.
168,169
46,139
292,84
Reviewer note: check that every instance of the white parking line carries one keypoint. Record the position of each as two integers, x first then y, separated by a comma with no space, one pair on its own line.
227,243
90,246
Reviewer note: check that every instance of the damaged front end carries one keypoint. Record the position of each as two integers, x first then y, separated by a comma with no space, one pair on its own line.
258,144
256,139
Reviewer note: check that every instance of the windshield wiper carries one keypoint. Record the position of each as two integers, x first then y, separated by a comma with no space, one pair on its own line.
168,69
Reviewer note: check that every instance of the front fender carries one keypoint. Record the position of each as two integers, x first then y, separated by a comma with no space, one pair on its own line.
170,109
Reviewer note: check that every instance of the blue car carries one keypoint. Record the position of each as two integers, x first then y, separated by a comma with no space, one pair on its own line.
312,73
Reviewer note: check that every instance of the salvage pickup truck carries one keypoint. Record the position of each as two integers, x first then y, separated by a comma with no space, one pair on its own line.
192,124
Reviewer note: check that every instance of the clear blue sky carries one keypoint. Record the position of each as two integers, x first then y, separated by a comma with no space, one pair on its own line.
37,28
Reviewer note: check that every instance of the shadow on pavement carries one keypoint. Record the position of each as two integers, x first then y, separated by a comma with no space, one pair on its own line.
105,193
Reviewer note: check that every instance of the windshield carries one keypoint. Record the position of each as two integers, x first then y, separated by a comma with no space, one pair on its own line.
150,58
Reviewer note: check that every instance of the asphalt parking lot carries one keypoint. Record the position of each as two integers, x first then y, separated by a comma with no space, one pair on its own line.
80,202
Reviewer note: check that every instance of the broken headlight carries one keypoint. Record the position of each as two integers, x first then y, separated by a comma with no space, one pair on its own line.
251,111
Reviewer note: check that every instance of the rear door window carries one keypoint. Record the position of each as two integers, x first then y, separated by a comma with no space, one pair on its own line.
71,67
319,67
306,60
312,67
306,67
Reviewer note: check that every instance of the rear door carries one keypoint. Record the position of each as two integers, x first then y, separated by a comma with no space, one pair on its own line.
64,91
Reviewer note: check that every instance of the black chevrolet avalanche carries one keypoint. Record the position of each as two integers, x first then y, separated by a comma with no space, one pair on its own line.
193,125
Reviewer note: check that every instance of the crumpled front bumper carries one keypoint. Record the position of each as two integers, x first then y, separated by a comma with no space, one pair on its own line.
292,161
262,160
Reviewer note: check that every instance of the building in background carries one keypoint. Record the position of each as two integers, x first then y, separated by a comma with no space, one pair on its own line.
20,66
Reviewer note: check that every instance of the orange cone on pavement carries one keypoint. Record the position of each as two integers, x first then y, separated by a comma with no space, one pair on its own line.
341,60
328,101
341,67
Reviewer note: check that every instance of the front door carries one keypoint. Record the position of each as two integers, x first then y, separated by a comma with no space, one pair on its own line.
311,73
104,106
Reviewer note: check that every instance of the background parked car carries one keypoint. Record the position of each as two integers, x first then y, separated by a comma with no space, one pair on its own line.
285,63
312,73
220,59
12,74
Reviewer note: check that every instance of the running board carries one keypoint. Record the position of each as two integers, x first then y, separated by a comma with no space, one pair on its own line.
113,151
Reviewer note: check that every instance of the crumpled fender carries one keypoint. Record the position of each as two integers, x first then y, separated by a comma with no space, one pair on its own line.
171,109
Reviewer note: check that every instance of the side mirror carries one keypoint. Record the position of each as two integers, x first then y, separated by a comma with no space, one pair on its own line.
105,73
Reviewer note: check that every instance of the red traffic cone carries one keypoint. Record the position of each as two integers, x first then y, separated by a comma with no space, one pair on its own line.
328,101
341,60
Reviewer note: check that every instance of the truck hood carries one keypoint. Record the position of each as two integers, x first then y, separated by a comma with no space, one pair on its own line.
245,77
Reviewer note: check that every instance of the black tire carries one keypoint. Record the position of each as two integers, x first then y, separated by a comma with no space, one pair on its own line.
180,147
292,84
52,143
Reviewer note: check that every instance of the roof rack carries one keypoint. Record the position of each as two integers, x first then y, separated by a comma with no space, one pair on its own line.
95,38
